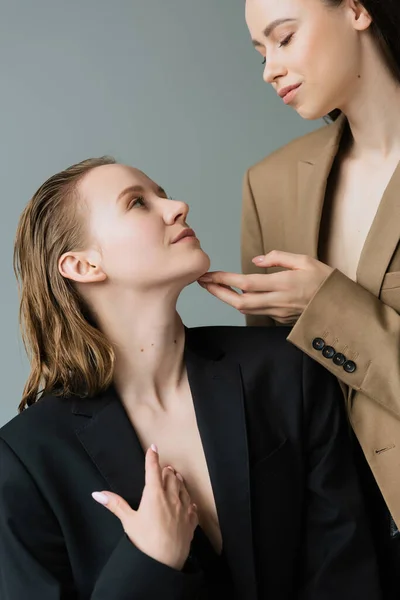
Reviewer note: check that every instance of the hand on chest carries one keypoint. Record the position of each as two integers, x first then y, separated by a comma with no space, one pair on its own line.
179,444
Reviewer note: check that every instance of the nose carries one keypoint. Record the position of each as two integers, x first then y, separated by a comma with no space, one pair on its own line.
273,70
174,211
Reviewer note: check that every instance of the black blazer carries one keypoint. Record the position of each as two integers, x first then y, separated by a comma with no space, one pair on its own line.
279,454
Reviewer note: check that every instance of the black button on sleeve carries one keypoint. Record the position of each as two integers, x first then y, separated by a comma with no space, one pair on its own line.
339,359
349,366
318,344
329,351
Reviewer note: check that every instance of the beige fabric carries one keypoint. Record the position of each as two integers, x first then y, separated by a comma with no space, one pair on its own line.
282,207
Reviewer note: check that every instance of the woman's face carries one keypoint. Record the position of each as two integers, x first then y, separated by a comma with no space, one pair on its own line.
134,226
309,44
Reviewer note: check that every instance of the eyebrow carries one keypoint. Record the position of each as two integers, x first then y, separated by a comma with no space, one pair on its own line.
138,189
270,28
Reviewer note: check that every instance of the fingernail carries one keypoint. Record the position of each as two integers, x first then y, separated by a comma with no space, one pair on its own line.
171,469
100,497
205,279
179,476
154,448
258,258
194,506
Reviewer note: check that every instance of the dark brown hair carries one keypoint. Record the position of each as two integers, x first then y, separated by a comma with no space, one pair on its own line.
67,353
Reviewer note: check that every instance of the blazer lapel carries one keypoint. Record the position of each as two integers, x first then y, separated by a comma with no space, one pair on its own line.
112,444
382,239
313,172
216,388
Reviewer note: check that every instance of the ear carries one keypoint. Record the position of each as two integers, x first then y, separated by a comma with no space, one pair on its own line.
82,267
360,16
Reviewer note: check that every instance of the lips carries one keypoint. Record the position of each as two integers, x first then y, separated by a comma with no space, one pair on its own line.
288,89
183,234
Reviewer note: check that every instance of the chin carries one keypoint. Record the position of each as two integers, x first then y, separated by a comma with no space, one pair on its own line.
312,113
200,264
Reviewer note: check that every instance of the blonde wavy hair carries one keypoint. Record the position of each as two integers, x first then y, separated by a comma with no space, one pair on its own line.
68,355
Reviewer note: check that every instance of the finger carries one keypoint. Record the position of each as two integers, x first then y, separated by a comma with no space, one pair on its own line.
194,515
273,304
164,473
265,282
261,301
184,492
204,285
235,280
115,504
152,466
172,485
290,319
278,258
223,293
274,313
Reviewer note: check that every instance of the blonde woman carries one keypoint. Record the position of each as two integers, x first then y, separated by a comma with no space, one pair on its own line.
153,460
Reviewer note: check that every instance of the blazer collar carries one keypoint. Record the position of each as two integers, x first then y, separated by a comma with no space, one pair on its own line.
313,171
216,386
382,239
328,137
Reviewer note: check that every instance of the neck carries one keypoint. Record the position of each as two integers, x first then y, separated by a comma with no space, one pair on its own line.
373,110
149,339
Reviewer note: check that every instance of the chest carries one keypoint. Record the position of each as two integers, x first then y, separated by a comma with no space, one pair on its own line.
352,199
179,444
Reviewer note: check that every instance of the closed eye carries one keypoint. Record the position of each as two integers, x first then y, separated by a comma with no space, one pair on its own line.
286,41
283,43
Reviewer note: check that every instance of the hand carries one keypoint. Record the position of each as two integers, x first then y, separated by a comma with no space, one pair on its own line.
282,296
164,524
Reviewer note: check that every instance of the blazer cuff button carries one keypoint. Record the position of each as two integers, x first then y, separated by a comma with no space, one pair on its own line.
339,359
318,344
349,366
329,352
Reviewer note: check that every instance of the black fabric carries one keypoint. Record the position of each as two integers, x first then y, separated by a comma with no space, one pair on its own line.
386,536
214,566
275,437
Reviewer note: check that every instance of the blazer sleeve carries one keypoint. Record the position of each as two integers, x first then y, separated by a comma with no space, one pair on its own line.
251,245
360,326
339,558
32,549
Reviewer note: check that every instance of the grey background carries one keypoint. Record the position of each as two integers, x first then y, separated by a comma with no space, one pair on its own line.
172,87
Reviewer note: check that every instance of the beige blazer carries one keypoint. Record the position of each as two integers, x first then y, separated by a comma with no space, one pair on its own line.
282,206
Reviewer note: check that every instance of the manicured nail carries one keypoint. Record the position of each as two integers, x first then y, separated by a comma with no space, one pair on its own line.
100,497
205,279
154,448
258,258
179,476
